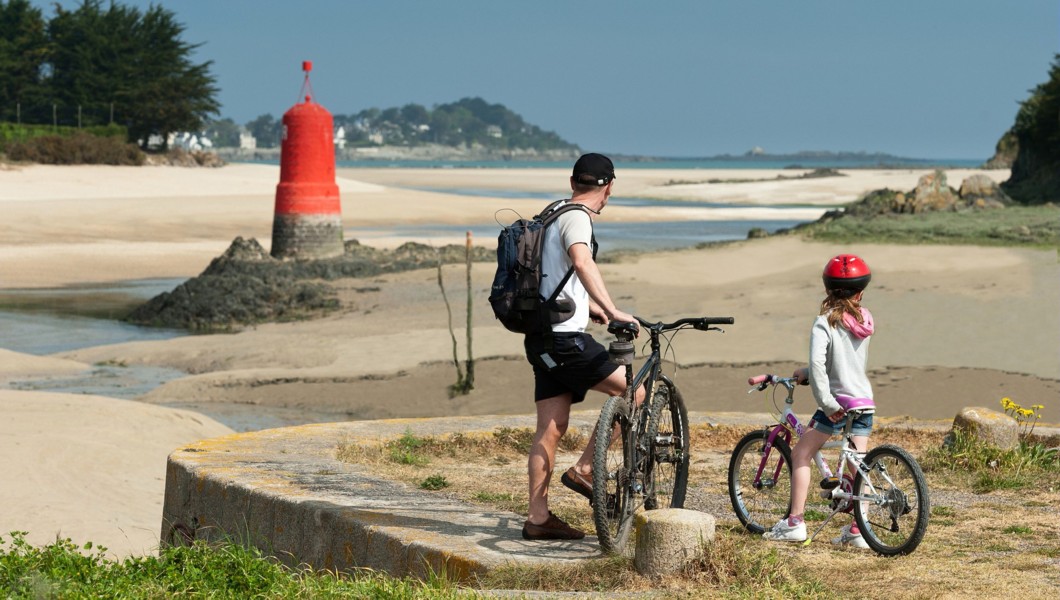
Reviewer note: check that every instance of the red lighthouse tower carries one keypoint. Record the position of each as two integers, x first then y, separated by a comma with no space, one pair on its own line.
308,217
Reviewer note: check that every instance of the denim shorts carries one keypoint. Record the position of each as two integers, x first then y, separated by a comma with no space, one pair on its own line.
862,424
575,363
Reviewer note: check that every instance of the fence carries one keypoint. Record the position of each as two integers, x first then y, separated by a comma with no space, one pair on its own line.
61,115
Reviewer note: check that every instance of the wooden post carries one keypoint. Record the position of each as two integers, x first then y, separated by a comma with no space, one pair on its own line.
470,370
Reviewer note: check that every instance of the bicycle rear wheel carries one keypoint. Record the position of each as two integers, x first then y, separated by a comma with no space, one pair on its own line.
612,489
760,481
894,516
668,449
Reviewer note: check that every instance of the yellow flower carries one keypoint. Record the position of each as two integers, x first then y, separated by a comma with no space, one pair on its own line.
1038,407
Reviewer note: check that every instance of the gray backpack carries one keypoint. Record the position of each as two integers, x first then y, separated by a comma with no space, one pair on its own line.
516,292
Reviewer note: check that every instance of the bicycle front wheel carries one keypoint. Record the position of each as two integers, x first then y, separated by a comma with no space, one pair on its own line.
667,446
760,481
893,512
612,486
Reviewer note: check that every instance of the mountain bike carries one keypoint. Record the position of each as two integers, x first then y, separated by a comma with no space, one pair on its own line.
886,489
641,453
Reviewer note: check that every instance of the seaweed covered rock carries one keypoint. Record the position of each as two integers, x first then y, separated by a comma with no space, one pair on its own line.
245,285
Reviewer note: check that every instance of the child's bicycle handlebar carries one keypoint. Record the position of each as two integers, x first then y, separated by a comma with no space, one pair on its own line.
761,382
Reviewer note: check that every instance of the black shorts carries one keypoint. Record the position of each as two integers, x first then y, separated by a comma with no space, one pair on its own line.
575,364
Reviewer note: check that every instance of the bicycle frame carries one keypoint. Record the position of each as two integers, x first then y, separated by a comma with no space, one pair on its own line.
788,423
650,372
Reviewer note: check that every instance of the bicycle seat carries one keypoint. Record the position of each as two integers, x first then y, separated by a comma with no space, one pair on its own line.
859,405
623,329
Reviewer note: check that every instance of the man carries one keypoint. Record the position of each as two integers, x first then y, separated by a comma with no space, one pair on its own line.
570,362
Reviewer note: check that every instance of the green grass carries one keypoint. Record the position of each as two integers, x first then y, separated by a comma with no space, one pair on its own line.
967,462
66,570
434,483
1037,226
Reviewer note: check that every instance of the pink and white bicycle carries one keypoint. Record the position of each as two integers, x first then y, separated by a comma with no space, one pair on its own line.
885,488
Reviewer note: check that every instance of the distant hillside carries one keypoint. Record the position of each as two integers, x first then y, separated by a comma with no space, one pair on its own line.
467,123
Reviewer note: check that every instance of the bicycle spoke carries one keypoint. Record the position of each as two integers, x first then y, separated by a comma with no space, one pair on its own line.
666,450
760,484
894,515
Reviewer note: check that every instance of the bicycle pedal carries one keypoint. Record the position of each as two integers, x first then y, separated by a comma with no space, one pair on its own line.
829,483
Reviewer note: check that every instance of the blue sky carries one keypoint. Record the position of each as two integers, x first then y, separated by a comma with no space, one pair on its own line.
935,79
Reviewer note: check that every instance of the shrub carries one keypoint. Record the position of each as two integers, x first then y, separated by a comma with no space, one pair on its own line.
77,149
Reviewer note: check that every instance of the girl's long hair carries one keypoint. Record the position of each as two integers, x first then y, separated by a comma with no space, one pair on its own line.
838,302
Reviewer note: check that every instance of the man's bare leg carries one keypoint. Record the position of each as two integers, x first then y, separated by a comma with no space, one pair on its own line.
553,415
614,385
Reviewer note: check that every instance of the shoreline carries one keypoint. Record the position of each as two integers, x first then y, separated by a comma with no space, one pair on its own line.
954,326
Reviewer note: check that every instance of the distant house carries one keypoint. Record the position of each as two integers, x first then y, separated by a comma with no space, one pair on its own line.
376,137
189,141
494,131
340,137
247,141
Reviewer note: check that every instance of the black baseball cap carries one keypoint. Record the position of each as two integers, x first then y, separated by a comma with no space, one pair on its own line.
594,169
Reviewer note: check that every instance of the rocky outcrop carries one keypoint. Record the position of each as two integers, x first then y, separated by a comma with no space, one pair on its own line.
1035,175
245,285
1005,152
932,194
979,191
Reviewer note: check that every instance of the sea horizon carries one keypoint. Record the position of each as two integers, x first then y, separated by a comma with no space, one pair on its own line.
736,163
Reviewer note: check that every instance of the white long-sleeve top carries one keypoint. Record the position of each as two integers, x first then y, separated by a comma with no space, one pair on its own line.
838,362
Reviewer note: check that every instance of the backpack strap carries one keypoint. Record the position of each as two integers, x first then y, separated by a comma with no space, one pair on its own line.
551,213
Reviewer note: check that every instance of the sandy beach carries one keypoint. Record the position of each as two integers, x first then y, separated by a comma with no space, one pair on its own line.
958,326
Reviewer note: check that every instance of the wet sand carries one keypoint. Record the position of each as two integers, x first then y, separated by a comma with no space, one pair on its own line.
958,326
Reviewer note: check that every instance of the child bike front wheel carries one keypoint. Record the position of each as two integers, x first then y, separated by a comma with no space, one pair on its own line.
760,481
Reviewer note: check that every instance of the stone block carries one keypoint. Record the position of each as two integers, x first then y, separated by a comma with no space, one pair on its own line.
987,426
667,539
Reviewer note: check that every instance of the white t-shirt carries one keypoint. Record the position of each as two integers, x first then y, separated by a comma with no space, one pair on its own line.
571,227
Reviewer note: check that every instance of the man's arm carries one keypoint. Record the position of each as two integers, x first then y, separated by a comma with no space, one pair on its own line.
589,274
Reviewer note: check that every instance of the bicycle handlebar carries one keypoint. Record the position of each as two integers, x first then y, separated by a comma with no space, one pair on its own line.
700,323
761,382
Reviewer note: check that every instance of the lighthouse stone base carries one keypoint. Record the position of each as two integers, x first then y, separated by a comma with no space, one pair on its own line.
302,237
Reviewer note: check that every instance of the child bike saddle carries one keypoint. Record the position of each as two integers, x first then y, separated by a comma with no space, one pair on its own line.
851,404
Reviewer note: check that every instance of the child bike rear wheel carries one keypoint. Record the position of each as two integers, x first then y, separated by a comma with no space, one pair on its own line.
612,485
894,517
760,500
667,448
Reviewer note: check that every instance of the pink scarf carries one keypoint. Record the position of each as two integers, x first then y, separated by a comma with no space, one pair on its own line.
860,330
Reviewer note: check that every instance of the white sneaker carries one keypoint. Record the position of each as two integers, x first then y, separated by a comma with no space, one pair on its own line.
848,539
782,532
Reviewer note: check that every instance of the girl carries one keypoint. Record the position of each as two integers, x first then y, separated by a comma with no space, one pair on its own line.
839,347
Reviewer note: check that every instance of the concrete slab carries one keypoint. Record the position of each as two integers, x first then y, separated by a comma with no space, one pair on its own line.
285,492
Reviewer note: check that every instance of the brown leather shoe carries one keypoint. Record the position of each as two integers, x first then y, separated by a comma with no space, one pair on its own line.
552,529
579,483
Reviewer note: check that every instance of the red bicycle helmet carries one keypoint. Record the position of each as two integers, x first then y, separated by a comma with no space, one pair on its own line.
846,272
